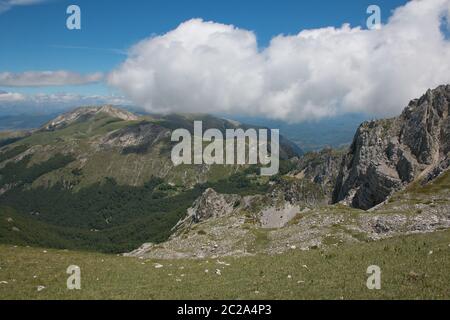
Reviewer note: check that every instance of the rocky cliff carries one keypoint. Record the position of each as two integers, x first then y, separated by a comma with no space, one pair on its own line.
386,155
319,168
210,205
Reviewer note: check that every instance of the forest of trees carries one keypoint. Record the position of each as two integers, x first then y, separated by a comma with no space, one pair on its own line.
105,216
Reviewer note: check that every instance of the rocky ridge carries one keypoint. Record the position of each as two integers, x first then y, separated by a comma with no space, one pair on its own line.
86,113
387,155
396,167
244,230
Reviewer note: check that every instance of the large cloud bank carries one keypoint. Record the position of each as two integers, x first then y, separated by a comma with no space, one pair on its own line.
210,67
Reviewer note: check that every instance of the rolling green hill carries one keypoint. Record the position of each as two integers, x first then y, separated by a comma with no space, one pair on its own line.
101,178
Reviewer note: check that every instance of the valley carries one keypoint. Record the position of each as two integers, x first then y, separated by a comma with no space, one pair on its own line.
96,187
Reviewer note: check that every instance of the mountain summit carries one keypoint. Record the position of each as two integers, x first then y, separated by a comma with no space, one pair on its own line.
386,155
86,113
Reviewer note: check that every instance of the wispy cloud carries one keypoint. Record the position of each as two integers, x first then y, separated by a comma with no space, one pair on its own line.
20,103
47,78
111,50
10,97
6,5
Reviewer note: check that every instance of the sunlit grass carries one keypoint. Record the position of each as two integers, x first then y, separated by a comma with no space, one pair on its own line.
413,267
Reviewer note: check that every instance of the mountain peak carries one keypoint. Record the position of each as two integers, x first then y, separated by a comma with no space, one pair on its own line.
86,113
432,98
386,155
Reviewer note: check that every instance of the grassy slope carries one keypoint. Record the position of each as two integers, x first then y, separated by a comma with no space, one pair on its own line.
433,194
67,217
105,217
409,271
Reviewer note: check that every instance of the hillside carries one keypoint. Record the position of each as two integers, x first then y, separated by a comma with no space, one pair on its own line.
413,267
101,178
251,225
300,209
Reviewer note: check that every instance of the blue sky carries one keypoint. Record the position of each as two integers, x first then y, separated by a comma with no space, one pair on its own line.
265,58
35,37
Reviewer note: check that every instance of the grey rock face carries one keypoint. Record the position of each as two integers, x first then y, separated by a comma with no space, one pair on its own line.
437,170
297,192
137,138
210,205
388,154
319,168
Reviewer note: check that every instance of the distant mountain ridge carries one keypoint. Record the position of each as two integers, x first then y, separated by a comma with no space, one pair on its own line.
335,132
101,178
86,113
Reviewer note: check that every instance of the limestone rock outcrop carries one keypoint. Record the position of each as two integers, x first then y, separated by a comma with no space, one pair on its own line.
386,155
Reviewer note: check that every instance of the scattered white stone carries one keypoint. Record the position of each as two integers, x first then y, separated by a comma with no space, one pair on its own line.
430,253
300,281
34,277
218,272
256,292
181,268
293,247
158,266
306,267
183,275
206,270
140,258
45,251
178,280
3,282
40,288
289,276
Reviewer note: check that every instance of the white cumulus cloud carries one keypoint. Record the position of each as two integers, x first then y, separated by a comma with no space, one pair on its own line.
47,78
210,67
